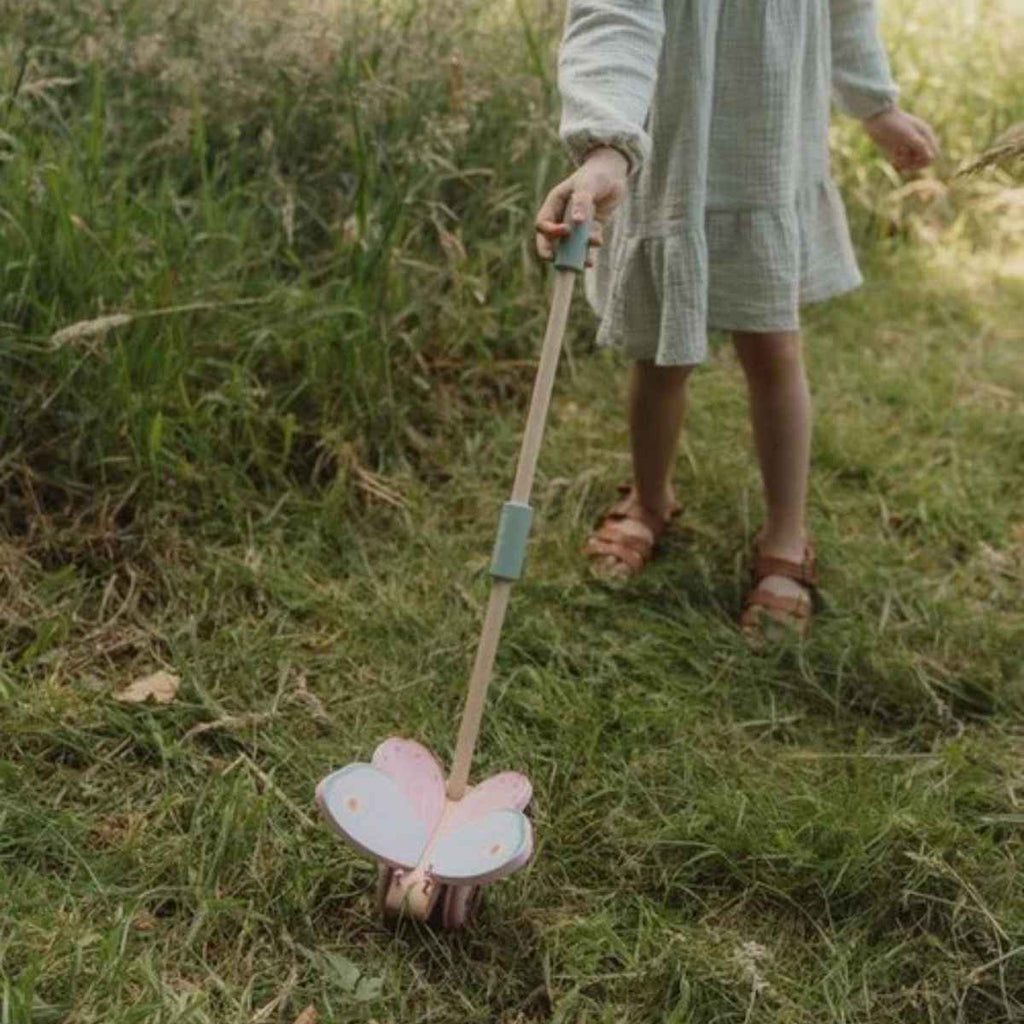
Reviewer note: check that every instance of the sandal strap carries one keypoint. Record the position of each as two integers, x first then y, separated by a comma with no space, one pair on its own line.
804,573
598,546
796,607
641,545
617,513
635,551
655,523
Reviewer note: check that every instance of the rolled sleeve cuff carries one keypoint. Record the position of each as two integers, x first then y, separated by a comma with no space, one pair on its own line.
636,148
863,103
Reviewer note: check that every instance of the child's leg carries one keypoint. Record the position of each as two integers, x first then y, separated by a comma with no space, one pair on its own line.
655,411
657,406
780,410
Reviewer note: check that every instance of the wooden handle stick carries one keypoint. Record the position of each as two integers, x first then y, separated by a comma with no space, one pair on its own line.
469,728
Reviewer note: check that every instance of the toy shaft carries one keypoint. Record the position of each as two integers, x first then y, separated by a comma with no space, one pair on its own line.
472,714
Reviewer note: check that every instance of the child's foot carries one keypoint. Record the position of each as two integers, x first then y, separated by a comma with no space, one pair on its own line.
783,583
624,538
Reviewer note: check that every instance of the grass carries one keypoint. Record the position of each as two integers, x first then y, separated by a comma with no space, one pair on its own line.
278,475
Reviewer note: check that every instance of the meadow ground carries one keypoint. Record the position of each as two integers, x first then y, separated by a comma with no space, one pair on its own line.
268,318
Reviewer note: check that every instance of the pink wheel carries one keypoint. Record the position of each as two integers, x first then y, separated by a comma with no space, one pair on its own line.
460,904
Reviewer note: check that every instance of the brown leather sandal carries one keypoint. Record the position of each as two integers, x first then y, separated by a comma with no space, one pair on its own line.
630,550
792,612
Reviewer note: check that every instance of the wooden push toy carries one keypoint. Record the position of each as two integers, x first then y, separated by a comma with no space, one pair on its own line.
437,843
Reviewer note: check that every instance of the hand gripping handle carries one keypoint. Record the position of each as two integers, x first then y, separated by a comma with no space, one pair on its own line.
571,252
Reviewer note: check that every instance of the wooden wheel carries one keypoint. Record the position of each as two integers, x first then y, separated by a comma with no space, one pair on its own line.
460,905
384,875
395,899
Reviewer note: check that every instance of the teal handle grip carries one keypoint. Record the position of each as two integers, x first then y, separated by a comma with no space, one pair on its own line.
571,252
510,544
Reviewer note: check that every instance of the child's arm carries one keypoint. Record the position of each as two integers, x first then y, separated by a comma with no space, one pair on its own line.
865,89
860,69
607,67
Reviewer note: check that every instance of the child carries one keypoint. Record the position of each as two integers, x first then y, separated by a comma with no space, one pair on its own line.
707,120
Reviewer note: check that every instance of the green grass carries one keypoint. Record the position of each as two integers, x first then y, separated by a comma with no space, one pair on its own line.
286,492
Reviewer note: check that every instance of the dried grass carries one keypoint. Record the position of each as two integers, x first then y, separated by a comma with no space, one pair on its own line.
99,326
1005,151
229,55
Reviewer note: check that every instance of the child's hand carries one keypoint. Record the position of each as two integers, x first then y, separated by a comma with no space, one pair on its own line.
907,141
596,189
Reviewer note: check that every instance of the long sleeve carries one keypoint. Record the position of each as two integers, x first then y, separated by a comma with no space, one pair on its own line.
860,69
607,69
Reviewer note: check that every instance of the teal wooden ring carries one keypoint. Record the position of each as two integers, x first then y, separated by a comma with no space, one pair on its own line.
571,251
510,544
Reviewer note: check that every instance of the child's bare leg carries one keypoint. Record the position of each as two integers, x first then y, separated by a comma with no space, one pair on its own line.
780,411
656,408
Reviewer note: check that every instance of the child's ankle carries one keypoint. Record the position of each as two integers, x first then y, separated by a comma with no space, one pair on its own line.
787,543
659,508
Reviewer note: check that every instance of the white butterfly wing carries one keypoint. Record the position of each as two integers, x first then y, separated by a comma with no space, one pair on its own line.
369,810
481,850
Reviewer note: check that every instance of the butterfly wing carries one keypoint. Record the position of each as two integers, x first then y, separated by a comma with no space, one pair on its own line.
415,771
508,791
369,810
483,848
390,809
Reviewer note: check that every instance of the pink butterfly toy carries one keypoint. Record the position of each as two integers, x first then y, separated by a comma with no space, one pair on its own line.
438,842
434,852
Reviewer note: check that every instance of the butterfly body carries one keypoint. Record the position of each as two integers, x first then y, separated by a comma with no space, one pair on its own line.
395,809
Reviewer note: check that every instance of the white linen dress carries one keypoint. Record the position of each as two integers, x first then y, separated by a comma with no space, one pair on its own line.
731,220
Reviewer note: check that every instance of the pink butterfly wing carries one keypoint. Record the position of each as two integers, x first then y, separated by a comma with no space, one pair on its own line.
415,771
508,791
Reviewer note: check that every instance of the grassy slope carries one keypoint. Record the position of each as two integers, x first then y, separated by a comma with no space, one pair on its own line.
826,834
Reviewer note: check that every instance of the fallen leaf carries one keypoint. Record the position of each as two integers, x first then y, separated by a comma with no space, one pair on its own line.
161,686
344,974
341,971
308,1015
